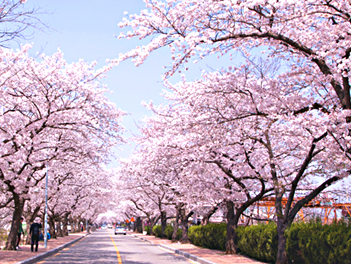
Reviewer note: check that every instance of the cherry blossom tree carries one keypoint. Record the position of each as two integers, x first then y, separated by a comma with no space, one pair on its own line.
205,161
263,134
312,32
50,111
149,196
161,183
75,190
76,195
187,182
311,36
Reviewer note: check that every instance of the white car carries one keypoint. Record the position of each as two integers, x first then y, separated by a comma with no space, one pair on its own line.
103,227
120,230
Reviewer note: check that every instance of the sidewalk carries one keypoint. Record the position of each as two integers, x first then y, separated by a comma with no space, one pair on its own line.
201,255
24,254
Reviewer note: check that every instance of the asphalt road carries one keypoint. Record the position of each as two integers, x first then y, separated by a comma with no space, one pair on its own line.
103,246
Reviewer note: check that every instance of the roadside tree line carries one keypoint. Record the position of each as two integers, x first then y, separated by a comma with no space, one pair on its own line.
241,133
55,118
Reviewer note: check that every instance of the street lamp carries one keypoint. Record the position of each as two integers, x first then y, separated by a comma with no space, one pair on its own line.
46,209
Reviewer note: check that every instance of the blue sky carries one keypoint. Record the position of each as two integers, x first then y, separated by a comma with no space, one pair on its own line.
87,30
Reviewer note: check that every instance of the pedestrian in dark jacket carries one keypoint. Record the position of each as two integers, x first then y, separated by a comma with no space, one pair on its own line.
34,232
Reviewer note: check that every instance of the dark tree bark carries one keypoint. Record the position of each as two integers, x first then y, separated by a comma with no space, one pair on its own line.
282,256
230,245
163,223
59,229
138,225
73,225
11,242
52,227
176,225
64,224
184,218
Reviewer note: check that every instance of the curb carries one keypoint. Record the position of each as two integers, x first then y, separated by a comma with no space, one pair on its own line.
46,254
179,252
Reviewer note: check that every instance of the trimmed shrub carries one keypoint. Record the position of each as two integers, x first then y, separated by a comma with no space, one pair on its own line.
157,231
292,244
168,232
196,236
211,236
316,243
258,241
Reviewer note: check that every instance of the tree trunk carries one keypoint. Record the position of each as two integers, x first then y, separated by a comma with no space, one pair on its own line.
52,227
73,225
230,244
138,225
11,242
59,229
175,227
64,225
184,220
282,257
163,223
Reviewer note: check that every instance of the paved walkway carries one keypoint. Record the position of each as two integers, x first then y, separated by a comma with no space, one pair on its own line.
202,255
24,253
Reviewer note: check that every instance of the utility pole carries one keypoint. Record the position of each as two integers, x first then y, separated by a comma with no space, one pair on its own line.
46,208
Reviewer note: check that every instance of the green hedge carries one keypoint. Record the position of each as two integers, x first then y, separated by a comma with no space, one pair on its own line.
258,241
309,243
168,232
211,236
157,231
316,243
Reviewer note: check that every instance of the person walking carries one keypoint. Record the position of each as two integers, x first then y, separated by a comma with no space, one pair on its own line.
20,232
34,232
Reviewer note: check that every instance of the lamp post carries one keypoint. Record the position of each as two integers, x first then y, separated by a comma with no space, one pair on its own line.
46,209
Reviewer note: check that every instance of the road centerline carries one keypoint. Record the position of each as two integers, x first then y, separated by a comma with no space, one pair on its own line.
117,251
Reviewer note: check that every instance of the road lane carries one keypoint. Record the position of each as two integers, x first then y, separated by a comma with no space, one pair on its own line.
95,248
103,246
